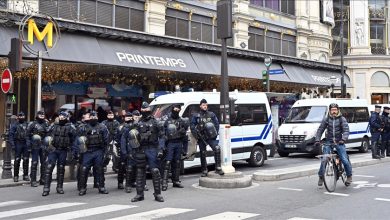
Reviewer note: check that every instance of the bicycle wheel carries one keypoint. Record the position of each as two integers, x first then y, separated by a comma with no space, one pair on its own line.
330,176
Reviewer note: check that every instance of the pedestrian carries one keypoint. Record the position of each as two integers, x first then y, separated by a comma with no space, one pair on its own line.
175,128
58,142
36,132
17,140
205,127
149,151
96,135
337,132
385,145
376,127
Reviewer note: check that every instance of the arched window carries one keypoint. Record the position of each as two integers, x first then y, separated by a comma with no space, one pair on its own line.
380,79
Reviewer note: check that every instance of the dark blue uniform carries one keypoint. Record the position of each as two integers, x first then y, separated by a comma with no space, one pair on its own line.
97,143
17,140
127,155
385,145
375,129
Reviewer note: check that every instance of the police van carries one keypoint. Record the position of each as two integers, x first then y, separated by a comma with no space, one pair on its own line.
251,122
297,133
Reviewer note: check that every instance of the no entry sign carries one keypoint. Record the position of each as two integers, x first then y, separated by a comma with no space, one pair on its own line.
6,80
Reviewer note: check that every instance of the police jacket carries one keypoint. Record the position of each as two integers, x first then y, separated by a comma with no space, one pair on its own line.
199,121
175,129
386,122
18,133
63,135
112,127
37,127
375,122
150,132
97,136
125,140
337,129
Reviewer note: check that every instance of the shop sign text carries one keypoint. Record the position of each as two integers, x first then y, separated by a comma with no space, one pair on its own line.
151,60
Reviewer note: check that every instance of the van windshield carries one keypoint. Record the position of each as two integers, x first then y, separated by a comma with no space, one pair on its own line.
306,114
161,111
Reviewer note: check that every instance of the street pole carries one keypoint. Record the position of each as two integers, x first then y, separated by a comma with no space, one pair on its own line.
39,83
268,86
343,92
7,153
224,106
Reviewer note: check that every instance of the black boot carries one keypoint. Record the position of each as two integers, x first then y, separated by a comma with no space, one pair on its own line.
25,169
167,168
383,149
121,175
129,173
100,174
33,174
156,185
388,149
42,178
16,169
374,150
48,173
217,158
203,163
176,175
83,180
60,179
140,186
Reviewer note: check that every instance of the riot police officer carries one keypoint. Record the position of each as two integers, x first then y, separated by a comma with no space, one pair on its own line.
204,127
79,143
148,151
96,135
175,128
17,140
385,145
129,138
376,127
36,132
112,125
59,140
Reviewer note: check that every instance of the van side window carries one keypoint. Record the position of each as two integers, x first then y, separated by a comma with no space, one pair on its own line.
194,109
252,114
348,114
361,114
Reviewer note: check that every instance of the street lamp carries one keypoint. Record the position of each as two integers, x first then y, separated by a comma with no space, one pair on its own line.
333,80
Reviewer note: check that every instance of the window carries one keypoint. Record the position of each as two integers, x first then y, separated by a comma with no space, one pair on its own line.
251,114
104,14
305,114
3,4
289,45
377,37
288,7
201,28
272,4
68,9
285,6
49,8
355,114
88,11
256,39
193,109
177,24
273,44
380,79
361,114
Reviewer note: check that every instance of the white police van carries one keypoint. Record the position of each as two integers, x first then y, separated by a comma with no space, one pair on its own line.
297,133
251,122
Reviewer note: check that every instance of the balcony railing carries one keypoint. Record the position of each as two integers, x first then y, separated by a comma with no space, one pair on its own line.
378,50
377,13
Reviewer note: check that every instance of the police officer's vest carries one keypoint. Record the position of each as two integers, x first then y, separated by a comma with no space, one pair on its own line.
112,127
207,131
61,139
377,121
148,131
39,128
21,129
94,136
173,129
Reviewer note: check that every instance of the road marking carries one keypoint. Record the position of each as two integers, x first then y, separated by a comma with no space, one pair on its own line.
364,176
276,158
291,189
158,213
86,212
382,199
336,194
41,208
299,218
9,203
384,185
229,216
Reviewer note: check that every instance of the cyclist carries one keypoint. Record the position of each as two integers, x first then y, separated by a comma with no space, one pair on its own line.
337,132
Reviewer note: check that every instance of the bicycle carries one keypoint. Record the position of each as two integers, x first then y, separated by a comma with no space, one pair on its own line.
334,169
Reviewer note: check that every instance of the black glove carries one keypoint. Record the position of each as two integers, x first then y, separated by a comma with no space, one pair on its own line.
317,143
341,142
184,154
160,154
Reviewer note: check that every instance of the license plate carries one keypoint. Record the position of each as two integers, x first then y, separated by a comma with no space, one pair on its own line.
290,146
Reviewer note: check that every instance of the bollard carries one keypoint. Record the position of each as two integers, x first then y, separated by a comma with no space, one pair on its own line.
226,150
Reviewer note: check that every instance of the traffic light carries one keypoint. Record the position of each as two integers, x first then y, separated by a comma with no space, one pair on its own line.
265,77
15,55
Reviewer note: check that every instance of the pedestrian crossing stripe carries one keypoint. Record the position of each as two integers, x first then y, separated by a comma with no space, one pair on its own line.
10,203
34,209
229,216
86,212
158,213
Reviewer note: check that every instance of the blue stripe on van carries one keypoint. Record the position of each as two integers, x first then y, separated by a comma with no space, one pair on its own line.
265,131
361,132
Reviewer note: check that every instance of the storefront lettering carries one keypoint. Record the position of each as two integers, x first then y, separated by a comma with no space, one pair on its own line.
150,60
324,79
33,30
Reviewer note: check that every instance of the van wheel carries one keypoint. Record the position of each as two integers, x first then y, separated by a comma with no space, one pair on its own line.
283,154
257,156
365,146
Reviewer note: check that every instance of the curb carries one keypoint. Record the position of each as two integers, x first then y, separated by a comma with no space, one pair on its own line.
308,170
227,181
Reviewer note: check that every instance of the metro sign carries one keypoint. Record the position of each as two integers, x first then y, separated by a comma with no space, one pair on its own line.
6,80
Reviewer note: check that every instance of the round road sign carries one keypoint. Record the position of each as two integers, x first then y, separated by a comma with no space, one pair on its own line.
6,81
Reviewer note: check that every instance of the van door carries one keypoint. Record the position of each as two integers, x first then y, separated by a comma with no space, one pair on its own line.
236,134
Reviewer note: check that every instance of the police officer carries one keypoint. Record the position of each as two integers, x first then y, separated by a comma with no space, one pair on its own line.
204,127
122,157
376,127
17,140
385,133
148,151
96,135
175,128
129,139
59,140
36,132
112,125
79,143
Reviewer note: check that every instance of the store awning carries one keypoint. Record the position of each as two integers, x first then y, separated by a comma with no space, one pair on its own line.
303,75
